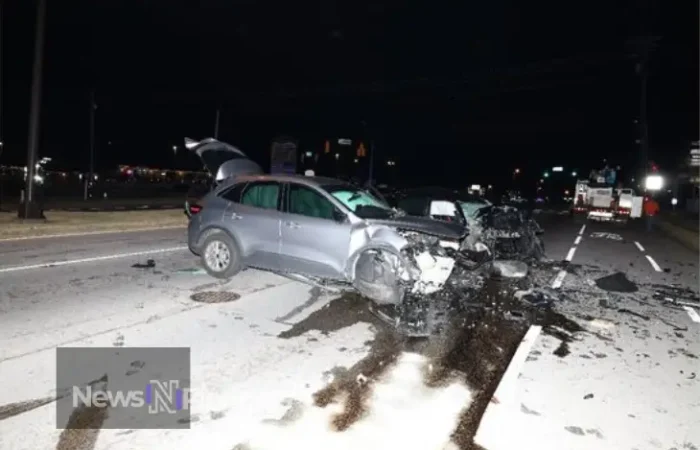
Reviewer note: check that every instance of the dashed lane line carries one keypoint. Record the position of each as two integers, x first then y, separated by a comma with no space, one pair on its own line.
639,246
654,264
559,279
92,259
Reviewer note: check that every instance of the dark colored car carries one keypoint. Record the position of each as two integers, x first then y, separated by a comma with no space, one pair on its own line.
508,232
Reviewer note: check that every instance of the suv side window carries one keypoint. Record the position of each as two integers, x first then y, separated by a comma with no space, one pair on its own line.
263,195
307,202
234,193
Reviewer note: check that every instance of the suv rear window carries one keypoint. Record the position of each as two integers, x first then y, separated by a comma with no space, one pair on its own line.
233,194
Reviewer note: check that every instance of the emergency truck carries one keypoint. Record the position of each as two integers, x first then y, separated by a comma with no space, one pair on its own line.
601,201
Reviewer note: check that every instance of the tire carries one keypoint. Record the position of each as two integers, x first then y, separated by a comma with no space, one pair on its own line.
221,266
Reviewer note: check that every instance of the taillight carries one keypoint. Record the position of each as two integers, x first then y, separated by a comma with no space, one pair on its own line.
195,209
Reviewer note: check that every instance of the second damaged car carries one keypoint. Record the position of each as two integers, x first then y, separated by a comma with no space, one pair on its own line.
317,230
509,233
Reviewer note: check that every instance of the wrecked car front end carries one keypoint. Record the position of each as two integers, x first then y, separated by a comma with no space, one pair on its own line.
507,233
402,264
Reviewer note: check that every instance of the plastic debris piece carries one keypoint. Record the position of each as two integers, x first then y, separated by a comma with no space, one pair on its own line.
510,269
149,265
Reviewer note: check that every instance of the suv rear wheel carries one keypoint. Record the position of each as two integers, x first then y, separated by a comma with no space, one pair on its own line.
220,255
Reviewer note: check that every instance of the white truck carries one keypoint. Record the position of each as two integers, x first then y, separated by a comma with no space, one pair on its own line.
601,201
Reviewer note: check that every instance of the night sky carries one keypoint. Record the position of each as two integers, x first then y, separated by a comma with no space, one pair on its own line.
451,90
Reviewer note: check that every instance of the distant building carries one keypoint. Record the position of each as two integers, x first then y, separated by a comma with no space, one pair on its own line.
283,155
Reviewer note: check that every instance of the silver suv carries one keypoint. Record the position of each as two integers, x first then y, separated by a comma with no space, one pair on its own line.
314,229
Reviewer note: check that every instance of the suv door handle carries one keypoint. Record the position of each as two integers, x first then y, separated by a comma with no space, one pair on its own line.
292,224
235,216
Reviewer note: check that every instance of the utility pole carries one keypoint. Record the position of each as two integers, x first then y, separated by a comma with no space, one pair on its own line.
216,124
644,46
91,174
2,143
371,162
30,210
370,176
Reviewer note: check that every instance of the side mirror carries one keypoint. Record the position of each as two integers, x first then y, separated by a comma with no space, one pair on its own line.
339,217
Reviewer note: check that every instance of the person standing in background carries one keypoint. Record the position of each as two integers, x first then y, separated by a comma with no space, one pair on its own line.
651,209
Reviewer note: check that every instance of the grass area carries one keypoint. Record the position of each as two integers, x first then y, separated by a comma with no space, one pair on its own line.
65,222
683,219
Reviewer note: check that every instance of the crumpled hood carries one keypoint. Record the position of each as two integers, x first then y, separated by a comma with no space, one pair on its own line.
432,227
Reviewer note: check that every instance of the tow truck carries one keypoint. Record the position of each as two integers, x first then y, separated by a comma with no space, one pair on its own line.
601,201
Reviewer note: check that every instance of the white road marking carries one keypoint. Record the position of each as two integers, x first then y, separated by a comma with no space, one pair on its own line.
570,255
583,228
92,259
578,240
639,246
653,264
694,316
556,284
91,233
505,393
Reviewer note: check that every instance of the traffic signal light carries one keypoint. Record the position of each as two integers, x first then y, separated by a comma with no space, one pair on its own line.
361,150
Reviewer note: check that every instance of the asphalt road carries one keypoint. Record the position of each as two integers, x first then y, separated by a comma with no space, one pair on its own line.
84,291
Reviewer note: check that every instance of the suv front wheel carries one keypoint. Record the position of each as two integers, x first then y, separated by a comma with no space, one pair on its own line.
220,255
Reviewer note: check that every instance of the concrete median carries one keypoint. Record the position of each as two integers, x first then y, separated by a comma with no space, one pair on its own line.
64,222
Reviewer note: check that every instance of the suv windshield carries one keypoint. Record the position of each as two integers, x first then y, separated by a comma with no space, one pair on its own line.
359,201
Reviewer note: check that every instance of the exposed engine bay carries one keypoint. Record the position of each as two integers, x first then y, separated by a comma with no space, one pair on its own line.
415,289
507,232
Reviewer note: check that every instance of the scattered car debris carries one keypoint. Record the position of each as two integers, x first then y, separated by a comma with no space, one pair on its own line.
150,264
610,236
510,269
617,282
633,313
535,297
676,295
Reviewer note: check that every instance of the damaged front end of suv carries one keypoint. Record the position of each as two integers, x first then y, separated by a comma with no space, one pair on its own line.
415,275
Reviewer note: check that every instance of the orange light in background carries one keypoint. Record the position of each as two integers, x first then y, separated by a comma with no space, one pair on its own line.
361,150
327,147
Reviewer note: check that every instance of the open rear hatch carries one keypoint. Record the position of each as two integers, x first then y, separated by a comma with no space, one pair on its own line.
222,160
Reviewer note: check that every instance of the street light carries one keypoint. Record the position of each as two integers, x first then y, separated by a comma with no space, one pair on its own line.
546,174
573,174
654,182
